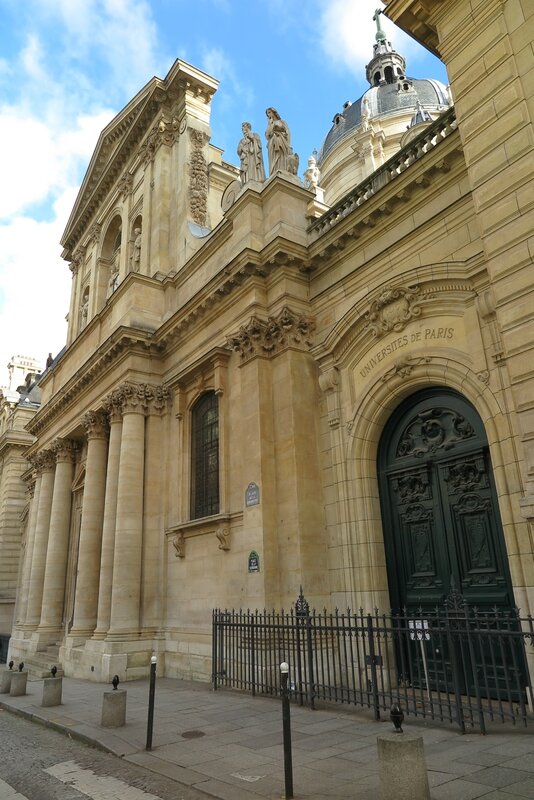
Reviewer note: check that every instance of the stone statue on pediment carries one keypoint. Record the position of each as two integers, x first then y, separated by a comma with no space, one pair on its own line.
250,156
281,155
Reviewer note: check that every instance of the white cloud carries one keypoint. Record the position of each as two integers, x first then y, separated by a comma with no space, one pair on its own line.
347,33
50,120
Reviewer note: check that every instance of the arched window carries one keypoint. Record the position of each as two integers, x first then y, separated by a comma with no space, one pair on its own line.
205,457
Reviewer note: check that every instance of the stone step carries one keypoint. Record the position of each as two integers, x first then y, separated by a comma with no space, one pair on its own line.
38,666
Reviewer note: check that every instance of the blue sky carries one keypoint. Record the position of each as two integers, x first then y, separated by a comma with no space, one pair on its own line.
68,66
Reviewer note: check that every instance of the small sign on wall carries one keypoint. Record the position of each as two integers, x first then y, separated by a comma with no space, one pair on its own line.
253,562
252,495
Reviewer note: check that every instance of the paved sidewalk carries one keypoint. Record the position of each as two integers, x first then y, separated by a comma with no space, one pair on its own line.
229,745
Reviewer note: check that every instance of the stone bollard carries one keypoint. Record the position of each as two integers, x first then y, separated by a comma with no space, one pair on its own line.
114,709
18,684
52,689
5,681
402,767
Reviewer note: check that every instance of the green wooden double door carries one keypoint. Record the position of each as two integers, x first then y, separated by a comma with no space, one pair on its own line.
443,536
441,517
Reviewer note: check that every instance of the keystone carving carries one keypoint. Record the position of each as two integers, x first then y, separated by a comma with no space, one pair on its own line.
269,337
392,310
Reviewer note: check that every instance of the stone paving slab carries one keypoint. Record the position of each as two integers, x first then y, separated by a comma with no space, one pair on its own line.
240,754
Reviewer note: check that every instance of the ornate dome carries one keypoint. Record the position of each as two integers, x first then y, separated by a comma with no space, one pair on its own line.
391,93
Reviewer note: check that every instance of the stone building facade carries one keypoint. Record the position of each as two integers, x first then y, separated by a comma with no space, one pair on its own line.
19,402
339,384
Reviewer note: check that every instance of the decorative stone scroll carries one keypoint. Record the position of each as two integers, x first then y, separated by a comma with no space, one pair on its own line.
178,542
267,338
198,178
223,535
392,310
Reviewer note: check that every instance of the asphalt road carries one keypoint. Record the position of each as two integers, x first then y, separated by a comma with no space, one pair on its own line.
37,763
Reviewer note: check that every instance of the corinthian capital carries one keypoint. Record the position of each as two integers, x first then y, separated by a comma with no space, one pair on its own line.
64,449
269,337
95,424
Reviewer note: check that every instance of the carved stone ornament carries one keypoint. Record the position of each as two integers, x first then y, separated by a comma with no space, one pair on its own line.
165,131
95,232
45,460
392,310
178,542
65,449
404,366
125,185
77,260
95,424
135,396
223,535
329,383
198,178
267,338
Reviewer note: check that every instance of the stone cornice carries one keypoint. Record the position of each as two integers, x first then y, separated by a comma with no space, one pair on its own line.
121,341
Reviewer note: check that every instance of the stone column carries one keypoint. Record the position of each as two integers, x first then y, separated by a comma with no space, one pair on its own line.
86,596
125,591
110,509
46,464
56,557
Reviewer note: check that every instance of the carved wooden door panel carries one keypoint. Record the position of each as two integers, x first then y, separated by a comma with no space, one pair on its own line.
441,518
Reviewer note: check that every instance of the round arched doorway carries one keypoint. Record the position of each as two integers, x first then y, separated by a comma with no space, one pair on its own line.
442,527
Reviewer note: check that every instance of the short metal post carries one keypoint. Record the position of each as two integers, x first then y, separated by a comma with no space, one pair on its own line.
286,721
151,697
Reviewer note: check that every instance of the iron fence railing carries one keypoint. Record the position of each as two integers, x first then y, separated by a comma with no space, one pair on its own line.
455,664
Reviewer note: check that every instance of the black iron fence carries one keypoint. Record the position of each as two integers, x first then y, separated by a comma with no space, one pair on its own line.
455,664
